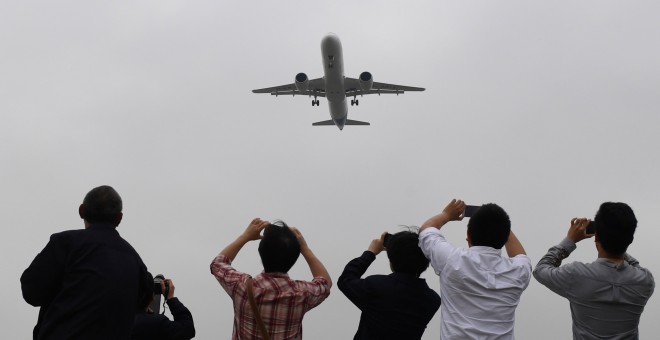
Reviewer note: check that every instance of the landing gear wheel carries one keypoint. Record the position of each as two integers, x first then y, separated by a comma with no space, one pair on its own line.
357,102
352,102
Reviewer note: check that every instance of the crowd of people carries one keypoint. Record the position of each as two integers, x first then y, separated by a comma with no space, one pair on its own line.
91,284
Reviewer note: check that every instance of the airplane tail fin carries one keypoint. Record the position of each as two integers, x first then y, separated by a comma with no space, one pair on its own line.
325,122
355,122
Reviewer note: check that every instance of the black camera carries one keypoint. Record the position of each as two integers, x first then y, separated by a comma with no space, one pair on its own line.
158,290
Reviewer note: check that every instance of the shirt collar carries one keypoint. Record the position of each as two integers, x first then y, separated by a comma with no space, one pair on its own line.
275,274
486,250
611,264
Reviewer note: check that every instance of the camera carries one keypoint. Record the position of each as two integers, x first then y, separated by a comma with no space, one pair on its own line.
158,290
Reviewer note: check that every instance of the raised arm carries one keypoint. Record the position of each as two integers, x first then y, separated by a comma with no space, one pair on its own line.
513,246
549,271
452,212
315,266
350,281
252,232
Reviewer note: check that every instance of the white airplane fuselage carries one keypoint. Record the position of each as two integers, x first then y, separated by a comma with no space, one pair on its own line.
333,69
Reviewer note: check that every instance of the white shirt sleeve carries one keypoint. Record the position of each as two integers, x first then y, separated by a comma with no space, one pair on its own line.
436,248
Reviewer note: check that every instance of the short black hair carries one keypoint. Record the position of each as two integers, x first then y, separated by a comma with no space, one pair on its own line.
489,226
405,255
279,248
615,227
102,204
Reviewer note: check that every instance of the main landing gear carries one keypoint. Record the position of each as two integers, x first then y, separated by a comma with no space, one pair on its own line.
355,102
315,102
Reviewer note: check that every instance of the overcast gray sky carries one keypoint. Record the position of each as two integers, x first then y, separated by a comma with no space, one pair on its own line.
547,108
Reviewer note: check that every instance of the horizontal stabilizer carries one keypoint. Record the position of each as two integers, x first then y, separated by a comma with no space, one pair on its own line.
355,122
325,122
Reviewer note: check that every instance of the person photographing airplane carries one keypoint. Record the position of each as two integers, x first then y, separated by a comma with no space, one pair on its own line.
149,325
395,306
607,296
277,303
480,288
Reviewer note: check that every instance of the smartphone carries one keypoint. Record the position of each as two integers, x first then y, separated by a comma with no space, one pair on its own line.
386,240
591,228
470,210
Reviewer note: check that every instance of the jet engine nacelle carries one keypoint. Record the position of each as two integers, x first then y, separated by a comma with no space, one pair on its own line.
366,81
302,82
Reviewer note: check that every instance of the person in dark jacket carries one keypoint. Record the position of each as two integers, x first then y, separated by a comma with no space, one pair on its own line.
87,282
149,325
395,306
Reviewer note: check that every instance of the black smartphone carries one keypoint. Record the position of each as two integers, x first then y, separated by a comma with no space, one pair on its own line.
470,210
591,228
386,240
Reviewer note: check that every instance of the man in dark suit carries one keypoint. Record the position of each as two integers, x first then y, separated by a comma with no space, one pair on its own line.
87,282
395,306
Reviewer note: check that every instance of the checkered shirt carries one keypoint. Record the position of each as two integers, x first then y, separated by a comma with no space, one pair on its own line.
282,302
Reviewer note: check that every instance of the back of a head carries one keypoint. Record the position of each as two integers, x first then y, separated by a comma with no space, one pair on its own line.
489,226
615,227
279,248
102,204
405,255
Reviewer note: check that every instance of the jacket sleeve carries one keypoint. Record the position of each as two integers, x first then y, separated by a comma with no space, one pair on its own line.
350,282
42,280
549,271
182,328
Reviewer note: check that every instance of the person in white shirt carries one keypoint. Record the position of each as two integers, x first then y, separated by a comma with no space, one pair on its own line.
480,288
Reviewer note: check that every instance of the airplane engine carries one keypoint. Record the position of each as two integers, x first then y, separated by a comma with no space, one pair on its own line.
302,82
366,81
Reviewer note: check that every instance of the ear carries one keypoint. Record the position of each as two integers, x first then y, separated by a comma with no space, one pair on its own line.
469,238
81,211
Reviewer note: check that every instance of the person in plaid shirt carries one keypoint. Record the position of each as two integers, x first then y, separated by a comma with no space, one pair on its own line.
282,302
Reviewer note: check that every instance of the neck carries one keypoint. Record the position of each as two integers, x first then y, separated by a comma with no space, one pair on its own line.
604,255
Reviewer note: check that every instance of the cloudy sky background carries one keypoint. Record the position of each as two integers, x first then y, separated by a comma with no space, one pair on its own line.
547,108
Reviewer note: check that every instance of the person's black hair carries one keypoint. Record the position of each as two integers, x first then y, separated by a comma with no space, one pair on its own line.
489,226
615,227
405,255
102,204
279,248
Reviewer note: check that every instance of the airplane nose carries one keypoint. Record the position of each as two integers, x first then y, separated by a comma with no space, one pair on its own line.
340,123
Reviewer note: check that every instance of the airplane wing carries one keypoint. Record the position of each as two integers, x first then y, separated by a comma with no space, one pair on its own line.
353,88
316,87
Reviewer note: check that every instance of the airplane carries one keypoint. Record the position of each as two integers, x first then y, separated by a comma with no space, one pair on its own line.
334,86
